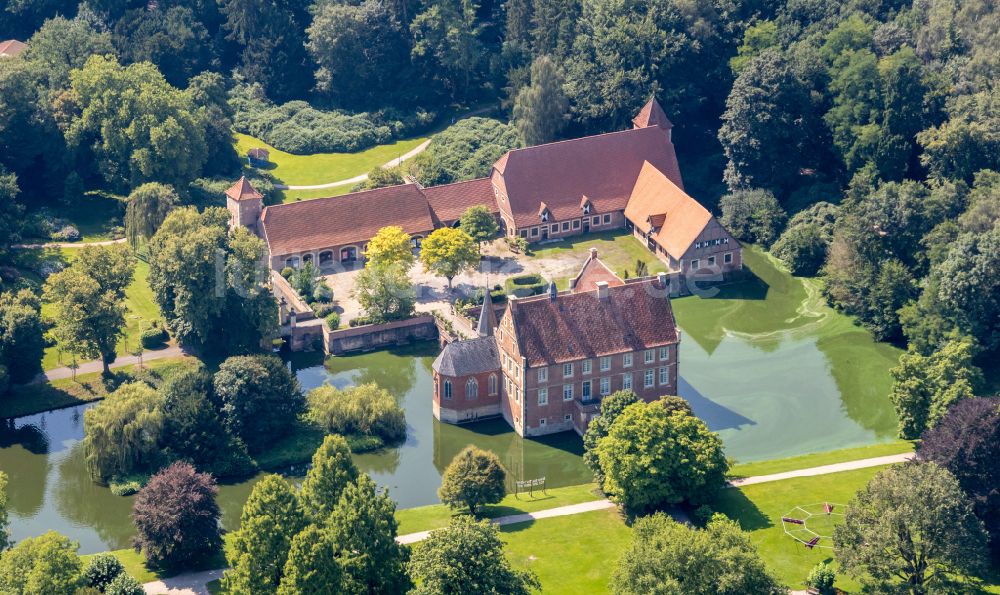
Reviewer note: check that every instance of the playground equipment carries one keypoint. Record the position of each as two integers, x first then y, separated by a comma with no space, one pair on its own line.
812,524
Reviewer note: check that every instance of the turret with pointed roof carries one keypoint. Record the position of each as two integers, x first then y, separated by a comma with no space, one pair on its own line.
487,317
245,204
652,114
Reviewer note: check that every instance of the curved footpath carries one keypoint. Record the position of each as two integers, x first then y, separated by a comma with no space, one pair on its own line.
195,583
359,178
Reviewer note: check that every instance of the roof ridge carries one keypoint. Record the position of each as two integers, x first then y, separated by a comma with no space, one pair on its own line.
357,193
580,138
452,183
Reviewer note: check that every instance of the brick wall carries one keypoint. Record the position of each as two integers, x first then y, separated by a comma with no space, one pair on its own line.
460,408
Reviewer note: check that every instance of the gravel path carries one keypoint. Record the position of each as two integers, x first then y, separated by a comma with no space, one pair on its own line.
194,583
124,360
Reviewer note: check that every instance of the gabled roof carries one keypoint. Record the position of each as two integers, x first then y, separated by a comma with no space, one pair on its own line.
593,271
11,47
652,114
450,201
602,167
243,190
656,199
341,220
581,325
466,357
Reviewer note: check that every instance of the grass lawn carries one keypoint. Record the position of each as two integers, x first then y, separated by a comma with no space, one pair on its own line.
27,399
819,459
297,195
95,214
616,248
422,518
320,168
142,311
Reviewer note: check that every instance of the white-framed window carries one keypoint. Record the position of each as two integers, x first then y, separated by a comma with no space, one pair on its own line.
517,394
605,363
627,381
648,378
567,392
493,384
585,391
627,360
711,261
565,226
471,389
586,365
586,209
555,227
697,245
543,396
545,216
543,374
447,389
694,265
728,258
534,232
648,356
576,224
524,233
541,422
664,376
567,418
568,370
725,240
605,386
607,219
717,242
664,353
596,220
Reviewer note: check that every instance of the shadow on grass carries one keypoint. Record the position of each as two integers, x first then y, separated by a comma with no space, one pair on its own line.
735,505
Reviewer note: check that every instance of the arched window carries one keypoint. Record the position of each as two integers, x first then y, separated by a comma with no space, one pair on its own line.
292,261
447,389
471,389
307,258
325,257
493,384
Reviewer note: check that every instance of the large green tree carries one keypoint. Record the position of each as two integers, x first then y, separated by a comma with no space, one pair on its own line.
385,292
133,126
312,565
659,453
925,387
541,109
260,398
911,530
4,519
121,434
332,470
259,549
669,558
447,47
62,45
22,343
448,252
752,215
480,224
390,246
611,407
473,478
43,565
209,283
467,557
147,207
171,38
364,527
89,302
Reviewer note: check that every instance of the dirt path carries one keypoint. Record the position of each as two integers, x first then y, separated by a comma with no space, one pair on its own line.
194,583
67,244
125,360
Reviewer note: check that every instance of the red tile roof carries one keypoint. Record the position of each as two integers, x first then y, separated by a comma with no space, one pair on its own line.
243,190
574,326
11,47
341,220
657,203
450,201
593,271
652,114
604,168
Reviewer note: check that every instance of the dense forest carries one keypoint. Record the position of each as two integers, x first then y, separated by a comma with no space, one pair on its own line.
859,140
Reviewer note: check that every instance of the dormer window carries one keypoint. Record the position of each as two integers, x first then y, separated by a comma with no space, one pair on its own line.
585,205
543,212
545,216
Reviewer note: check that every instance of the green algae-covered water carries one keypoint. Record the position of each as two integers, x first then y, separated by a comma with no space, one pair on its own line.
764,363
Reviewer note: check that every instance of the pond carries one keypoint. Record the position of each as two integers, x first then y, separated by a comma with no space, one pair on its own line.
764,363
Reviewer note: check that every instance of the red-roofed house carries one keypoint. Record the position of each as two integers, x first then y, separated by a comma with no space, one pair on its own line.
557,355
11,48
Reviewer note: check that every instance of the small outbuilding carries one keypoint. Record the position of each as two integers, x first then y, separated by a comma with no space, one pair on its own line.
258,155
11,48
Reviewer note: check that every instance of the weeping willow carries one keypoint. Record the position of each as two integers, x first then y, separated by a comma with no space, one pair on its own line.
148,206
121,434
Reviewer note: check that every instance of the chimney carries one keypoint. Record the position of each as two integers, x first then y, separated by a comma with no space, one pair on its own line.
593,254
602,290
662,278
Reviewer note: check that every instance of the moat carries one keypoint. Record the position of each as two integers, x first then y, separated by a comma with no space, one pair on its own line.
764,363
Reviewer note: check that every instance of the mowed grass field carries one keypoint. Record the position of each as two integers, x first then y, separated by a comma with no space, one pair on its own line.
322,168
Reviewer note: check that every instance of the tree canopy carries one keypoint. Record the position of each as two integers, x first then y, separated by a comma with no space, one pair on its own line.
473,478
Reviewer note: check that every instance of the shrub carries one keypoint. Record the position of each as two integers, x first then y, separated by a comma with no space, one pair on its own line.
66,233
821,578
473,478
101,570
322,310
154,337
518,245
322,292
333,321
287,272
124,584
525,285
127,485
702,515
176,517
366,409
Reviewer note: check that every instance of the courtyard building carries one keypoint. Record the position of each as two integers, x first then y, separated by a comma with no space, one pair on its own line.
621,180
550,359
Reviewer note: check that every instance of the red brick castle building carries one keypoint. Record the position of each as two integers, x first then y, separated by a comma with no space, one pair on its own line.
550,359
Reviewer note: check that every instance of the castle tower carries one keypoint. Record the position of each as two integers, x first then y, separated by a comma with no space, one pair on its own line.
652,114
487,317
245,204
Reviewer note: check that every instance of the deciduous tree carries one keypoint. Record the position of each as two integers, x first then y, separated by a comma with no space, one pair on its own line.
911,529
611,407
448,252
43,565
390,245
331,472
260,398
385,293
480,224
22,343
147,207
752,215
312,565
473,478
541,109
121,434
176,517
4,520
659,453
467,557
669,558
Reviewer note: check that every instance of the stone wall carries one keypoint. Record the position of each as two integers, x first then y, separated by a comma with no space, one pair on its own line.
377,336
